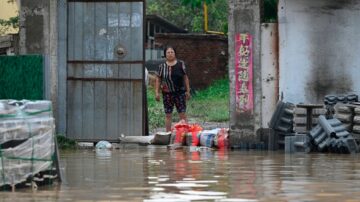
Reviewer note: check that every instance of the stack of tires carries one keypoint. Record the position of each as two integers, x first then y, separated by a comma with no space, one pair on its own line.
300,118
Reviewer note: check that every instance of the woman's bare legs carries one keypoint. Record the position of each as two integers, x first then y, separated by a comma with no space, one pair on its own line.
168,119
182,116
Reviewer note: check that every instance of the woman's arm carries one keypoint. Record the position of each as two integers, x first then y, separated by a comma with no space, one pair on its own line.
187,86
157,88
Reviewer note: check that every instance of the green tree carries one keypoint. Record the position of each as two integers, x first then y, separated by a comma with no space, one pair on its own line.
6,24
270,10
188,14
197,3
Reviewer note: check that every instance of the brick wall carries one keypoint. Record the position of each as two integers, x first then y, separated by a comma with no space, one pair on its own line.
205,56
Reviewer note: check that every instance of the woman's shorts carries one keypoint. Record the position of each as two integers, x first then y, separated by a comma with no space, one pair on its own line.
177,99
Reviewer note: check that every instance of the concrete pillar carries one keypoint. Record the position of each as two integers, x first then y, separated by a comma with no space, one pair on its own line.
61,65
38,35
244,18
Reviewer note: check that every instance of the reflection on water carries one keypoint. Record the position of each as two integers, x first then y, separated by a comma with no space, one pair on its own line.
103,153
139,173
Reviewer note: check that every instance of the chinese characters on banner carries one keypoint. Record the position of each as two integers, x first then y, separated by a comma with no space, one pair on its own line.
243,73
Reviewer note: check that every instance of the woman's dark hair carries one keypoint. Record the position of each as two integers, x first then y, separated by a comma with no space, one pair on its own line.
167,47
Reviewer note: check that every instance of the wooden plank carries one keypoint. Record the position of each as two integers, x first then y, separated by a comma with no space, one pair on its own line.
71,27
100,117
124,37
136,100
89,31
5,39
137,108
112,99
100,79
136,53
124,71
75,51
75,106
78,32
113,29
70,85
5,44
88,110
71,103
124,101
137,71
101,31
78,89
112,109
100,35
124,98
88,124
61,64
136,50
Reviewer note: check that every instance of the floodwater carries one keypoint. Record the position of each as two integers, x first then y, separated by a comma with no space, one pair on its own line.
154,173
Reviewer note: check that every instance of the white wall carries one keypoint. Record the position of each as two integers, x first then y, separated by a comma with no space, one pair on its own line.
319,49
269,71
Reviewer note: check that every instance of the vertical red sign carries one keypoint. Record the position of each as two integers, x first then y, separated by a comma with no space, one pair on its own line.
244,73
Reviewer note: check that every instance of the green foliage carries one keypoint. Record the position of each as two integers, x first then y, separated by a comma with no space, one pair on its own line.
12,22
218,16
196,3
197,24
156,116
5,25
270,10
191,17
65,143
211,104
218,90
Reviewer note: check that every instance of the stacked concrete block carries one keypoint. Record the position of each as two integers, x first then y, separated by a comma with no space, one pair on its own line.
331,100
334,99
27,144
331,135
345,114
300,118
349,115
356,124
282,123
297,143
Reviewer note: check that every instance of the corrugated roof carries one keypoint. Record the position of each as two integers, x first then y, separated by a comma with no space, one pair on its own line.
170,27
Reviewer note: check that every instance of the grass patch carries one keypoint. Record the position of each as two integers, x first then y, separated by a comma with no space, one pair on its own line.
211,104
65,143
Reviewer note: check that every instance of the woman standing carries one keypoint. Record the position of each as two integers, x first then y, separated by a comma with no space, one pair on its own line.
174,84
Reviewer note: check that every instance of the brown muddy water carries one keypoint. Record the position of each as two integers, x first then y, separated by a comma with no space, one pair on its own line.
154,173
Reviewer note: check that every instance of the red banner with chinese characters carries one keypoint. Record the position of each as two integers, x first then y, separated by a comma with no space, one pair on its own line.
244,73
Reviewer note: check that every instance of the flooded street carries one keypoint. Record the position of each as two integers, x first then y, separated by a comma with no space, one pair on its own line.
140,173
